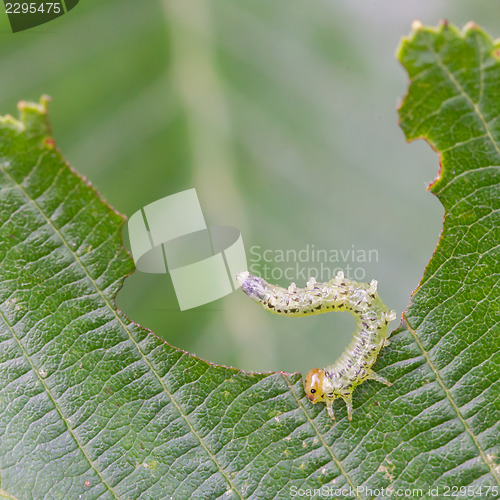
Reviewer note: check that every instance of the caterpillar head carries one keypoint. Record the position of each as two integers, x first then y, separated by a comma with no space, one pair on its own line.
314,385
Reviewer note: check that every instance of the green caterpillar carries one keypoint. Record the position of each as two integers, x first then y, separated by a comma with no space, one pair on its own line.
354,366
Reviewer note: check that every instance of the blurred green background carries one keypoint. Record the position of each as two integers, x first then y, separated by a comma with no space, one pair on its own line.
282,114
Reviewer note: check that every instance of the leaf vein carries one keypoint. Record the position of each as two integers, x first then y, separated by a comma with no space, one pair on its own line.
451,400
338,463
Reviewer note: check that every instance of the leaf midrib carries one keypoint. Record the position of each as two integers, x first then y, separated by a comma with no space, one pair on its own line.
7,495
464,94
321,438
451,400
413,332
33,368
56,406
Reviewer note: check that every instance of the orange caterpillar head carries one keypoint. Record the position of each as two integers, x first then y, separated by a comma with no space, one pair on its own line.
314,385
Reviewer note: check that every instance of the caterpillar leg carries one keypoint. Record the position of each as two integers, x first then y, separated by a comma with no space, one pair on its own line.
348,402
330,410
379,378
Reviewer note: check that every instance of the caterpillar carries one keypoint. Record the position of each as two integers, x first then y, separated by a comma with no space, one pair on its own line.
354,366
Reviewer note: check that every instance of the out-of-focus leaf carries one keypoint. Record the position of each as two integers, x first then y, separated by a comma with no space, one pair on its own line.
93,405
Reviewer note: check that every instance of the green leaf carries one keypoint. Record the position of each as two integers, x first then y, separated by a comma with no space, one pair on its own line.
454,103
91,404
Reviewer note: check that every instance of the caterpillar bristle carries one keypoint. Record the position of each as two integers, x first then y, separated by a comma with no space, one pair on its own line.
311,282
